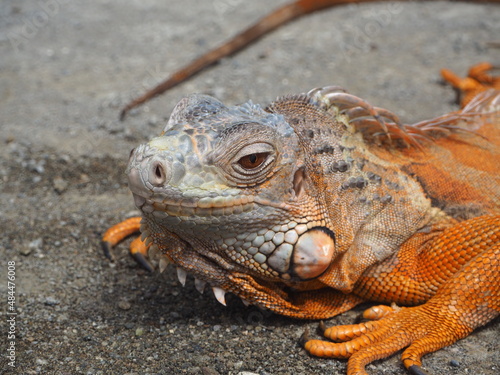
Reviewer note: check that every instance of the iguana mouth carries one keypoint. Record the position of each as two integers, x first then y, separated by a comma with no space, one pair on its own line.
180,210
204,207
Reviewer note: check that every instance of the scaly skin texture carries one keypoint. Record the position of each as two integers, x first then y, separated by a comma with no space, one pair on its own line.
320,202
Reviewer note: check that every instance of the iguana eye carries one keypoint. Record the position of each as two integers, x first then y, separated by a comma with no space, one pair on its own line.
251,164
253,161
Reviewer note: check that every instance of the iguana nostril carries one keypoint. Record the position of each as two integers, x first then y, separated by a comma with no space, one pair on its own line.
158,171
158,177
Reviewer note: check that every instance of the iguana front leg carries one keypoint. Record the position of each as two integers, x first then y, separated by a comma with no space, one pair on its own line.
118,232
469,299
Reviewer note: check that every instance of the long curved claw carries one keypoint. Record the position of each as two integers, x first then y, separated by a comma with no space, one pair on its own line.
106,249
118,232
304,338
138,251
322,327
142,261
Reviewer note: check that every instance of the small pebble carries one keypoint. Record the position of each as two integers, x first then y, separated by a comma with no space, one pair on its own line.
84,178
51,301
124,305
60,184
238,365
25,251
454,363
36,244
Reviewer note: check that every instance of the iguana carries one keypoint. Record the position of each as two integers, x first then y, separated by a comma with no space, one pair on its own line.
319,202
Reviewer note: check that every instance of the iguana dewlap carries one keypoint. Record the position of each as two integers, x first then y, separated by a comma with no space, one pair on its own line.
319,202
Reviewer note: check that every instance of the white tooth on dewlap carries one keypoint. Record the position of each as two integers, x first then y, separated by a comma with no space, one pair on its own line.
200,285
163,264
313,254
181,275
220,294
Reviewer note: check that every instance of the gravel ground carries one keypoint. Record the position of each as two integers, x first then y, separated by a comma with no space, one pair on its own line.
67,67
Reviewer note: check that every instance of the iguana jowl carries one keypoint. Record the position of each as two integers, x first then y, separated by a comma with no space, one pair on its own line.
319,202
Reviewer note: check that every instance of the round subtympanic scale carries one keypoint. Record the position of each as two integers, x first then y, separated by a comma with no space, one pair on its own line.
312,254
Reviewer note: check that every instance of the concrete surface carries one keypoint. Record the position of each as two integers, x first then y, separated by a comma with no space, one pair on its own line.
67,67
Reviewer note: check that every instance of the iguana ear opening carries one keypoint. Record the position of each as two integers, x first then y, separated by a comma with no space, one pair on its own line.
299,182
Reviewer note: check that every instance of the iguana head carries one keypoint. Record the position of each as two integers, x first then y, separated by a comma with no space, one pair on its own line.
233,195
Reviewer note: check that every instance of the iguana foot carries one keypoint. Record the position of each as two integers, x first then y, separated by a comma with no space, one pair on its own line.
457,308
416,327
477,80
138,248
